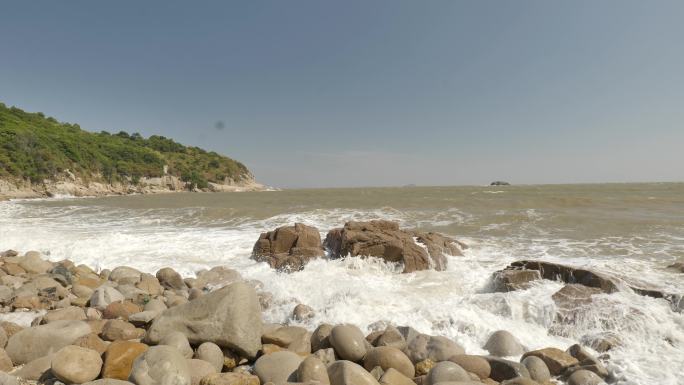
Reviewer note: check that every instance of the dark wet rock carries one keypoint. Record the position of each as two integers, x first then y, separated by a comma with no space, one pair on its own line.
568,274
509,280
161,365
384,239
499,183
289,248
505,370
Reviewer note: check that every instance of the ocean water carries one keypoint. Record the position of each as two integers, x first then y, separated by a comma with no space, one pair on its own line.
632,231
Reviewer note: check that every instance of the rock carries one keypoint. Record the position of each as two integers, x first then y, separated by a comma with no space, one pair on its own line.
143,318
104,295
502,343
602,342
10,328
384,239
520,381
125,275
149,284
348,373
509,280
677,267
179,341
82,291
119,357
505,370
472,364
319,338
229,317
289,248
394,377
436,348
568,274
302,312
91,341
571,299
423,367
211,353
120,310
555,359
170,279
160,365
199,369
584,377
38,341
35,369
194,293
499,183
294,338
597,368
391,337
216,278
5,361
348,342
76,365
325,355
537,369
230,379
6,295
67,313
116,329
108,381
7,379
388,357
313,369
3,338
31,262
447,371
155,305
278,367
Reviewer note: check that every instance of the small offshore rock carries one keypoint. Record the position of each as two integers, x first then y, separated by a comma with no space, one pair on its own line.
502,343
76,365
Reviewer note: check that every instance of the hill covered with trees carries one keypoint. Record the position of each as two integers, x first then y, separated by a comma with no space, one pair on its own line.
37,148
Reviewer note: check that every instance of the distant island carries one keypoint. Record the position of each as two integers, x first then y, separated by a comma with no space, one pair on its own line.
499,183
41,157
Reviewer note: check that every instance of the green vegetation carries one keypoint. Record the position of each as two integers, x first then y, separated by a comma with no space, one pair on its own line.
36,147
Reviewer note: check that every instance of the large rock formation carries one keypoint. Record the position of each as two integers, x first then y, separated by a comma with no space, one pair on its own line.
289,248
383,239
229,317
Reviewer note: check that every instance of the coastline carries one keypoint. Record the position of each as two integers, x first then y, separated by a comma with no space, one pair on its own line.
76,187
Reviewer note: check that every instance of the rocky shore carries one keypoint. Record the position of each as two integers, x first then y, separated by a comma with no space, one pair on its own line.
123,326
70,185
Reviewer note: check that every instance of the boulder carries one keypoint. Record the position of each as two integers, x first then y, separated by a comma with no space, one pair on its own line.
108,381
160,365
313,369
229,317
5,361
502,343
388,357
199,369
3,338
230,379
302,312
125,275
170,279
211,353
348,342
35,369
509,280
584,377
179,341
76,365
537,369
394,377
31,262
436,348
325,355
119,357
568,274
91,341
384,239
38,341
278,367
505,370
423,367
289,248
294,338
473,364
391,337
348,373
67,313
120,310
447,371
149,284
116,329
320,337
555,359
104,295
520,381
570,299
215,278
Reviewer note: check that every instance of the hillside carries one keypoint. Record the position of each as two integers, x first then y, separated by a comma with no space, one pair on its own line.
36,151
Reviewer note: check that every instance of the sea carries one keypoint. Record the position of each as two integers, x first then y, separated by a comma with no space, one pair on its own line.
631,231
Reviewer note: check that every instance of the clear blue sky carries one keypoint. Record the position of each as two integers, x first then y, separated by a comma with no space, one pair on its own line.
357,93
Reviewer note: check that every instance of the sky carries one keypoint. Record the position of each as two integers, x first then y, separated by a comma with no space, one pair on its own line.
369,93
